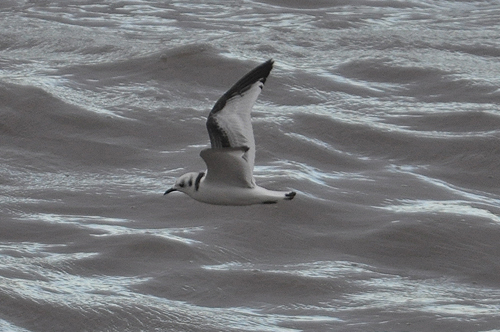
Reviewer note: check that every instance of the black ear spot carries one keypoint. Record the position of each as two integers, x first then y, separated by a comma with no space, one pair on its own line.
197,181
190,183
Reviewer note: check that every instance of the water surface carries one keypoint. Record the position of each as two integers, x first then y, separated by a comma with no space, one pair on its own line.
382,115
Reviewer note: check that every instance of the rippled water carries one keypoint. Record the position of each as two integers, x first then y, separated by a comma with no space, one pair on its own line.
382,115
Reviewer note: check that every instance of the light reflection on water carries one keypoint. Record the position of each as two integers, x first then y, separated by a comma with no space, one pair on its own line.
115,294
477,196
457,207
300,171
319,269
382,291
468,202
105,226
138,181
440,297
8,327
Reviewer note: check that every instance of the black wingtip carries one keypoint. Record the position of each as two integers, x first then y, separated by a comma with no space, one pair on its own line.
269,62
266,67
289,196
259,73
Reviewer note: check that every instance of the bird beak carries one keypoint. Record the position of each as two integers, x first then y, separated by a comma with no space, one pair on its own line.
169,191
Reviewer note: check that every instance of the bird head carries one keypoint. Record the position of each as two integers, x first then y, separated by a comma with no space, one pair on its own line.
186,183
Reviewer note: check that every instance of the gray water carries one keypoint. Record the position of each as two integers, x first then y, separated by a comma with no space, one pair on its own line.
382,115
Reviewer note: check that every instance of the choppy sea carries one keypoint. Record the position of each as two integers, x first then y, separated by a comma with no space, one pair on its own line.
383,115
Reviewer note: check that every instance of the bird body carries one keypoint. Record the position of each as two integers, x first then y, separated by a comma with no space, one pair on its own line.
220,194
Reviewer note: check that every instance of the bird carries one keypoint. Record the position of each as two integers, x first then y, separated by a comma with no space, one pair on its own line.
228,179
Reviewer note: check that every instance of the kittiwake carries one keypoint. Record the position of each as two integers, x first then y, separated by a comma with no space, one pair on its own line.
229,179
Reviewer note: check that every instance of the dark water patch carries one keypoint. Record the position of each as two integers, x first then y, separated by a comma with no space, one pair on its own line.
319,87
237,288
86,14
442,243
354,155
466,122
21,231
378,142
6,41
134,254
477,49
423,83
301,5
31,113
332,4
310,151
474,176
61,312
182,71
287,233
456,89
53,131
9,4
382,70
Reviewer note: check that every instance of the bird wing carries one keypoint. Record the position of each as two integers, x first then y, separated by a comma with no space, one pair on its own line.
228,166
229,123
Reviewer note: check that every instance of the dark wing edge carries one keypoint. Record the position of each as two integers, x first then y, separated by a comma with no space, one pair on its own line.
259,73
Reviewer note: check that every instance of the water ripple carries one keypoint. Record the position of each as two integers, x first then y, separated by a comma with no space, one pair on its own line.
105,226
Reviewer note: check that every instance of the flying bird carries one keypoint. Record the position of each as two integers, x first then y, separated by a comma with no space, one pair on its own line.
229,179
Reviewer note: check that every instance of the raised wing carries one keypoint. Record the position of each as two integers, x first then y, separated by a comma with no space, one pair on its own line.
229,123
228,166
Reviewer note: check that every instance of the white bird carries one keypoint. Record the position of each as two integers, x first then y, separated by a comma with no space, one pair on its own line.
229,177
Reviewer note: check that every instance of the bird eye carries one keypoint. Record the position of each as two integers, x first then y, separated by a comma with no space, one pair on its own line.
181,184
